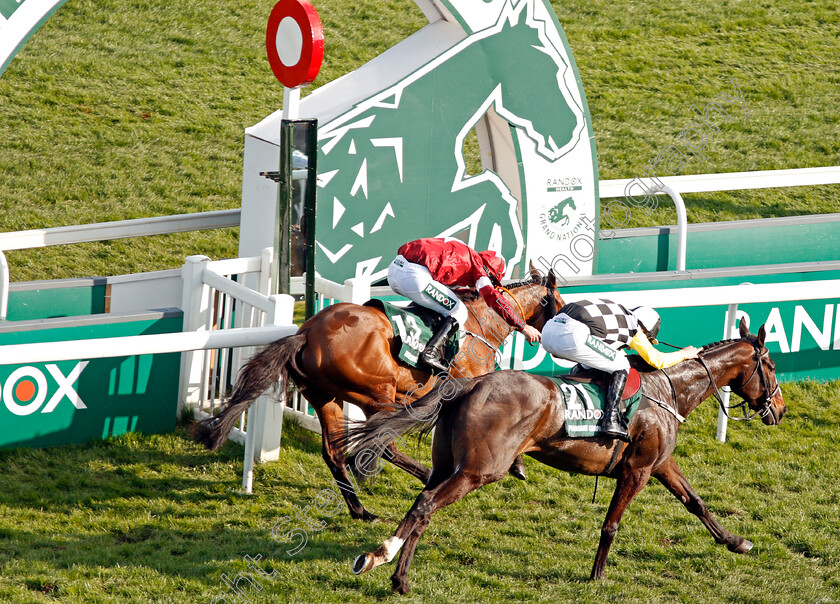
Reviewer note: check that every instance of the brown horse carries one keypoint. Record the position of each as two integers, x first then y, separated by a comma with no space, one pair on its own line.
496,417
348,352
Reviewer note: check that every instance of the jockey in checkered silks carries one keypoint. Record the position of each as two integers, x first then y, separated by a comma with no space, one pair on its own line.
425,270
594,334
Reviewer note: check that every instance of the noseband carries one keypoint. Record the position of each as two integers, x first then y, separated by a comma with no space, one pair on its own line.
765,407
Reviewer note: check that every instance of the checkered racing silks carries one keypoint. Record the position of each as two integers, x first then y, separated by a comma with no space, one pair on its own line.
606,320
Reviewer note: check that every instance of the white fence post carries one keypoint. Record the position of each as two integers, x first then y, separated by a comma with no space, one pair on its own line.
266,271
196,305
264,426
682,221
4,287
728,329
358,290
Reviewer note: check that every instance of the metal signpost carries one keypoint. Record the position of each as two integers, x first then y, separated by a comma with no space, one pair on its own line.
295,48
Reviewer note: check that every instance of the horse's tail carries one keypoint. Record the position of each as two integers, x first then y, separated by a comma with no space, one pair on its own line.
276,362
366,442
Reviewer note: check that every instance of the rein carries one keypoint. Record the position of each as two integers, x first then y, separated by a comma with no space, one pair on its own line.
765,408
510,293
483,336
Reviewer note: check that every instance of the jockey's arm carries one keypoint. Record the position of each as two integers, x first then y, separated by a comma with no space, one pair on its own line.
657,359
500,304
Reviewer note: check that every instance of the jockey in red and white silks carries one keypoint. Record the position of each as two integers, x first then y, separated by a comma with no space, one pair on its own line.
425,270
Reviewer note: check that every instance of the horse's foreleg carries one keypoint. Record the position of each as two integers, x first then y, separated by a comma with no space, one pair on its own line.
627,486
331,416
404,462
399,580
670,475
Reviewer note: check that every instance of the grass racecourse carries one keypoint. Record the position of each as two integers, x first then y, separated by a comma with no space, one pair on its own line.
119,109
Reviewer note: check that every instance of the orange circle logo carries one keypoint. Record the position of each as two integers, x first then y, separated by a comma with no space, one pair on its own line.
24,391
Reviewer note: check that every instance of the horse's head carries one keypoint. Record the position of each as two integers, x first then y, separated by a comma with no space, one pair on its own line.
529,58
537,297
758,384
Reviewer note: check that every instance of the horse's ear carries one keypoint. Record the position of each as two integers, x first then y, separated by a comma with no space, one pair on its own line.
762,335
551,280
742,328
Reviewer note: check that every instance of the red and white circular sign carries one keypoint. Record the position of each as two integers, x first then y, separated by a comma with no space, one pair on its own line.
294,40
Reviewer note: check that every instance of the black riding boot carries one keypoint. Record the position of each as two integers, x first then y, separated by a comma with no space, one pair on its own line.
432,354
613,422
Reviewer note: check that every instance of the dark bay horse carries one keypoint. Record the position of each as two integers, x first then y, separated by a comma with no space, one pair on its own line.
348,352
496,417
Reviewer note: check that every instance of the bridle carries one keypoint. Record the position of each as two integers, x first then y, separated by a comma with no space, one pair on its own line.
765,407
546,301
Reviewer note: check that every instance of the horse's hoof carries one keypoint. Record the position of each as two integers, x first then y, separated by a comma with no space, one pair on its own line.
743,547
362,564
400,585
517,470
365,516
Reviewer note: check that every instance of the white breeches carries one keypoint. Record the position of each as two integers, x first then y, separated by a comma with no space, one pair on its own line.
567,338
414,281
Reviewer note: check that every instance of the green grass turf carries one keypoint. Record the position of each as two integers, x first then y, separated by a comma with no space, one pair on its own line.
117,110
158,519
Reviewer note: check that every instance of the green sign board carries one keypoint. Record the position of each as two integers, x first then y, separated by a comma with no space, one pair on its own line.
392,167
803,337
77,401
50,299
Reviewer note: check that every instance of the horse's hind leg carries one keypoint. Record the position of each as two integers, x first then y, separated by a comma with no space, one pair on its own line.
331,416
415,522
404,462
670,475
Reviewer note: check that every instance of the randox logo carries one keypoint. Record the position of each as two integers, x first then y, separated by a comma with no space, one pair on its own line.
564,184
25,390
600,347
584,414
439,297
561,220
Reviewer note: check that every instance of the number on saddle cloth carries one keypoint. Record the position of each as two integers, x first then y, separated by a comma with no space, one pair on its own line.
414,325
583,397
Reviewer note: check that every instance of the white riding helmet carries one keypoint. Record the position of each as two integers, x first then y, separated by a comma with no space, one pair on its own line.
649,320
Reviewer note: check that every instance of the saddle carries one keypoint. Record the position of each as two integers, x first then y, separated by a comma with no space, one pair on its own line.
582,395
430,318
601,379
414,325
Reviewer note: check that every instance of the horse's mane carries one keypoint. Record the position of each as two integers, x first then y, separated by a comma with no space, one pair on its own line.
470,293
718,343
731,341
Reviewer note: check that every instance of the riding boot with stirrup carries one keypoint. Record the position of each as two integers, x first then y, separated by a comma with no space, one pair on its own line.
613,423
432,353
